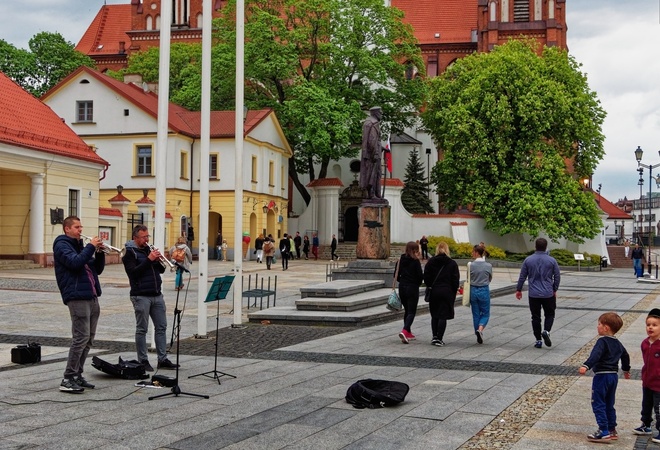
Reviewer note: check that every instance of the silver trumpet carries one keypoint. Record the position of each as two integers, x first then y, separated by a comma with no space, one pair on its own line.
163,261
106,248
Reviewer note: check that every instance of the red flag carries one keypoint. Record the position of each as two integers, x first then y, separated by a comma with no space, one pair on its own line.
388,155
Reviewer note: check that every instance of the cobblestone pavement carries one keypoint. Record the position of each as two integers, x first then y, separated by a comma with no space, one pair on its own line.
582,298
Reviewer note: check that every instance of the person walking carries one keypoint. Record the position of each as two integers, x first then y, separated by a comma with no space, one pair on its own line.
259,248
410,277
481,274
285,251
315,246
442,276
269,251
604,361
297,242
424,244
306,247
182,255
637,256
224,247
333,249
77,270
218,246
626,248
143,267
543,273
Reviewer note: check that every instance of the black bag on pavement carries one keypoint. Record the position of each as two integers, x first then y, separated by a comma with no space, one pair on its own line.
376,393
128,370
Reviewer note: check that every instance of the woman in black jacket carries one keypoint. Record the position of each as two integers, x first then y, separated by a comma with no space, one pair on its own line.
409,278
442,275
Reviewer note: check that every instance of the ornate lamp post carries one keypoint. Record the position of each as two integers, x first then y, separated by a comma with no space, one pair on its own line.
638,156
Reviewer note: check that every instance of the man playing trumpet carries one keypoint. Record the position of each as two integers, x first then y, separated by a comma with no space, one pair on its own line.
77,270
143,265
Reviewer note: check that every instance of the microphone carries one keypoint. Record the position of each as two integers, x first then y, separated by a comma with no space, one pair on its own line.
180,266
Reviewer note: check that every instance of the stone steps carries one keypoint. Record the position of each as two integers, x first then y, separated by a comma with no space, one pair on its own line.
18,264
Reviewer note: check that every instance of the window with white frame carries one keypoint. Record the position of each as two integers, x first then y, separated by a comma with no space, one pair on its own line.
84,111
74,202
143,154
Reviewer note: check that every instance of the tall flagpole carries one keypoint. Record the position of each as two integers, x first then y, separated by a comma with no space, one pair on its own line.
205,141
238,156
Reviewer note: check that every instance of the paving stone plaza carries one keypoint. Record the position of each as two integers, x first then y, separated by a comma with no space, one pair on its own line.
291,380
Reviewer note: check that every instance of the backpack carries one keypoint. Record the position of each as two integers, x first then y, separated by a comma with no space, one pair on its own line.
376,393
128,370
179,254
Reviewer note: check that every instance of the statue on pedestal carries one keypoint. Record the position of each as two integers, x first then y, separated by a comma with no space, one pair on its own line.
370,161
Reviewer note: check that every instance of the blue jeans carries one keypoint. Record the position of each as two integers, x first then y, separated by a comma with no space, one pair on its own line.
480,305
153,307
84,318
603,392
637,264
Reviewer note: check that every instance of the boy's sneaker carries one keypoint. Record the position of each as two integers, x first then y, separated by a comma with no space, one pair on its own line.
538,344
167,364
69,385
80,381
600,436
643,430
656,439
546,338
613,435
402,336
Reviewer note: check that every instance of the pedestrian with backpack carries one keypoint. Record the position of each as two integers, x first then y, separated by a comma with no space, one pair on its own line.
182,255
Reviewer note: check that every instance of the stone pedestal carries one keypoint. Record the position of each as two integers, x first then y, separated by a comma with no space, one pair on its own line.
373,231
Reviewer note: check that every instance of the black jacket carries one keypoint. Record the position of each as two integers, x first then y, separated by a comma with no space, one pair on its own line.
70,258
410,271
444,288
143,274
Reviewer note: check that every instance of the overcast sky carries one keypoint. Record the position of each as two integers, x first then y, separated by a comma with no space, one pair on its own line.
616,42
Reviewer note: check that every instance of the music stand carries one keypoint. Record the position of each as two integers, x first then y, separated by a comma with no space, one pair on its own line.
218,291
176,390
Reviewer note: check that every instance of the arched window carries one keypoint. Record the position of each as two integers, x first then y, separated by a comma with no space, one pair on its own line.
492,8
200,23
149,23
551,9
158,22
504,13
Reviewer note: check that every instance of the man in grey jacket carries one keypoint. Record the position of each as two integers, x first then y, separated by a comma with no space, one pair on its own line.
542,271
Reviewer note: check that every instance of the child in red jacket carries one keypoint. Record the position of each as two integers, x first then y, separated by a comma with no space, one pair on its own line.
651,376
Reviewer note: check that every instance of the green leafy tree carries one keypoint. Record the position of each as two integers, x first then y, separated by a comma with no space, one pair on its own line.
320,64
49,59
415,194
518,130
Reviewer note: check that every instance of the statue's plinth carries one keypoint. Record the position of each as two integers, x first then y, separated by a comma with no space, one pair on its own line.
373,230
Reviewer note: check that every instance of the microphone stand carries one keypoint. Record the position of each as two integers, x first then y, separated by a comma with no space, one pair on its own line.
176,327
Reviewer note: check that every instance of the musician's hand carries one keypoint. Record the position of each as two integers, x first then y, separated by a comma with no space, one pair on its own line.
154,254
96,242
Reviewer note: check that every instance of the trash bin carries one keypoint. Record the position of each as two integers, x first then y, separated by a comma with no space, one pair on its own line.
603,262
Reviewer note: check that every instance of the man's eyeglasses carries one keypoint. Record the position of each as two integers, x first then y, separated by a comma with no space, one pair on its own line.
143,237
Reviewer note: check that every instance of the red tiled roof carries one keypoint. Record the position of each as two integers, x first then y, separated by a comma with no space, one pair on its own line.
27,122
609,208
110,212
394,182
180,119
322,182
453,19
106,31
146,200
119,198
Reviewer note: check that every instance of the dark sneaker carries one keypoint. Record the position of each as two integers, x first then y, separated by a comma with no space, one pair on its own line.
538,344
147,366
167,364
480,337
656,439
600,436
403,338
546,338
438,342
80,381
69,385
613,435
643,430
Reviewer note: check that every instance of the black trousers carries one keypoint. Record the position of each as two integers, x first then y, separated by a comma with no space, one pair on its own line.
549,305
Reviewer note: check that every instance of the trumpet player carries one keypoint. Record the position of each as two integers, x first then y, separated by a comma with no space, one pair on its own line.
143,265
77,270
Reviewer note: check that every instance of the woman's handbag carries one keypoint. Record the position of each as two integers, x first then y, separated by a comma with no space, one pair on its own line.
466,287
393,301
427,292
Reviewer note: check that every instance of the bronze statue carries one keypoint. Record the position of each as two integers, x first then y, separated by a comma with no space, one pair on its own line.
370,170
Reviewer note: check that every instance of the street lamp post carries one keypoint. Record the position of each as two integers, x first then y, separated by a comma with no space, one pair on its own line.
638,156
428,172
